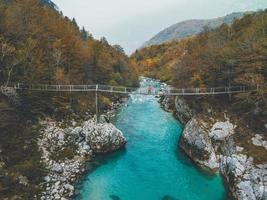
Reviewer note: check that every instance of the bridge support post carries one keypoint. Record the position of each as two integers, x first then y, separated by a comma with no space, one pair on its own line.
229,93
197,91
96,104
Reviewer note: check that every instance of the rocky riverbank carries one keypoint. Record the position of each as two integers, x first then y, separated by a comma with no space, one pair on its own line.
213,145
66,150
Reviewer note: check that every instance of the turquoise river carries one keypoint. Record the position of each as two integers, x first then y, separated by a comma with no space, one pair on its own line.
151,167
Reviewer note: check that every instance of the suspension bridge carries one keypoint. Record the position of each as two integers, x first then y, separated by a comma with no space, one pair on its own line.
170,91
12,91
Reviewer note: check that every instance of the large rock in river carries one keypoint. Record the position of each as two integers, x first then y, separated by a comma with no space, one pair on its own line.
103,137
202,137
197,144
210,144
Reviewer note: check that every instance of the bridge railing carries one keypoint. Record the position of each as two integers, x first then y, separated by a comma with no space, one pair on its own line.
144,91
43,87
215,90
114,89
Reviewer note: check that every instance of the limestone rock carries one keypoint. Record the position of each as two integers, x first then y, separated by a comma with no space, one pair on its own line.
246,181
103,138
234,165
23,180
63,172
57,168
258,141
182,111
77,131
213,147
166,103
196,143
103,119
221,130
245,191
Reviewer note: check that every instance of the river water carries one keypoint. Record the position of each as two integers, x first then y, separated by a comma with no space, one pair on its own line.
151,167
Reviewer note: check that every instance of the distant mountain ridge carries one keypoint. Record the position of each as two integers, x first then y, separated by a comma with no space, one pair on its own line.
191,27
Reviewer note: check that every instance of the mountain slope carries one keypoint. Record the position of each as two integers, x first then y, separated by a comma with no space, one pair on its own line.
189,28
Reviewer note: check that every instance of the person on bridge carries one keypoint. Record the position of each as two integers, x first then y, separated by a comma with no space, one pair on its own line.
149,89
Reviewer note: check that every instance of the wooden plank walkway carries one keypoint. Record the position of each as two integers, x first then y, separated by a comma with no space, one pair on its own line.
141,91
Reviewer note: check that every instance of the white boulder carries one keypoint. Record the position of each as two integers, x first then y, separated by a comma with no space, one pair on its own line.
103,138
197,144
221,130
258,141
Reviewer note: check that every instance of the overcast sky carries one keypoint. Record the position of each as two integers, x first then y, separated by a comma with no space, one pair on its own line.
132,22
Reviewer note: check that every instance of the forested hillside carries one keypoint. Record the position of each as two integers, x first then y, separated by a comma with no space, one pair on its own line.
227,56
38,45
158,61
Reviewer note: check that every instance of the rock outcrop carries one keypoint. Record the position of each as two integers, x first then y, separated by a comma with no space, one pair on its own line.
197,144
214,149
103,138
221,130
66,150
182,111
247,181
210,144
258,141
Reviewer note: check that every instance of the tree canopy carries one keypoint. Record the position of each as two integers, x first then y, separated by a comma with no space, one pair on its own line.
38,45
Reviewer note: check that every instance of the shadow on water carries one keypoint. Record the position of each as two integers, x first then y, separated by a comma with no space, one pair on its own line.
168,197
114,197
103,159
91,166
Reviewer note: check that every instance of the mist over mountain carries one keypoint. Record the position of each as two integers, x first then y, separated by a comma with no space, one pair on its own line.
191,27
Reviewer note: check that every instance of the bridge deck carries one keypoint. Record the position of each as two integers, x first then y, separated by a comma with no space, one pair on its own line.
128,90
